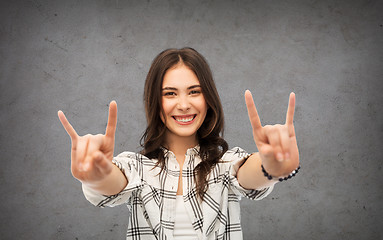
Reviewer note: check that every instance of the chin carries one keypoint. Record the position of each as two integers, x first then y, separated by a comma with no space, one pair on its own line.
182,134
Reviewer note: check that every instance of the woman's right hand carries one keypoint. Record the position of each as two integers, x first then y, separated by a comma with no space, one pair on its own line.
91,156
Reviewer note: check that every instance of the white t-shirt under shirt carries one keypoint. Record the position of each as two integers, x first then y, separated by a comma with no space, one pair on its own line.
151,196
183,229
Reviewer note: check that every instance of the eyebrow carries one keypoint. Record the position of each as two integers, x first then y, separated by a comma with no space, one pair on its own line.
173,88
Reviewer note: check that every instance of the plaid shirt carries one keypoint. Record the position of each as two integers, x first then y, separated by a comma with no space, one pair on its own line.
151,196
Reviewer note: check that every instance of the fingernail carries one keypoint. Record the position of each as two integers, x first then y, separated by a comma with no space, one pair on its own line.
280,157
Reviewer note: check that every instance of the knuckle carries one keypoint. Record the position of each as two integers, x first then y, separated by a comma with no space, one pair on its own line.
267,128
277,149
87,136
272,129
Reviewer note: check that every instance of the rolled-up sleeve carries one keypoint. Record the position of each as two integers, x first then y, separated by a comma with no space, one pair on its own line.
237,156
129,166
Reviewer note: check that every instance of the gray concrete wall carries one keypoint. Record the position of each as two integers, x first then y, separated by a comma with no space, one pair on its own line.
79,55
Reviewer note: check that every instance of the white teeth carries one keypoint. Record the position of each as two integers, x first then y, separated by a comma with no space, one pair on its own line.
184,119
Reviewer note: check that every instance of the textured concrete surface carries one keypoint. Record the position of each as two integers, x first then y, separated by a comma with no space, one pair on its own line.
79,55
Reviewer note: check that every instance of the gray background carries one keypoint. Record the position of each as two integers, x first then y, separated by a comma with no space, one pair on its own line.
77,56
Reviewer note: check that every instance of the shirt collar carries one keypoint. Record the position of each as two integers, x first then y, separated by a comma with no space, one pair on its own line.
193,151
190,152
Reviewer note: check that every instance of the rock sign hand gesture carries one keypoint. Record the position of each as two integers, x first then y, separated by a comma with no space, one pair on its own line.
277,144
91,155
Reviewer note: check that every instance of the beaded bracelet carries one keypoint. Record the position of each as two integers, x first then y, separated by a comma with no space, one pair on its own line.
292,174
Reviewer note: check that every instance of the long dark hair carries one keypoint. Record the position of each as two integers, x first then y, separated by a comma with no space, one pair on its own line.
212,145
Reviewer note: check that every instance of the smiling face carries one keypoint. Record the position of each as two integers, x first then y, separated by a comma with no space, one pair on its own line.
183,103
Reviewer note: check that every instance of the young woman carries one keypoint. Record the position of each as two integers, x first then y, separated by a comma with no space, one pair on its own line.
185,184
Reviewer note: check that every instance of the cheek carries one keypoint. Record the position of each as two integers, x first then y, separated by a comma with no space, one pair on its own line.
162,118
166,107
203,106
163,110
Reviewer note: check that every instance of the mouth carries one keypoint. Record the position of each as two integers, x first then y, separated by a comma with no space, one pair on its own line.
185,119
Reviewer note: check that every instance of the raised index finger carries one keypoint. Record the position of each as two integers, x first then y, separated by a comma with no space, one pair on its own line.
252,111
112,120
290,110
68,127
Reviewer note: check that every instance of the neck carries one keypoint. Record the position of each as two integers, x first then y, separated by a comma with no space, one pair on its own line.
178,144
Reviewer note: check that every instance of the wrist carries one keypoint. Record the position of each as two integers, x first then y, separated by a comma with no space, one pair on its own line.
113,183
280,178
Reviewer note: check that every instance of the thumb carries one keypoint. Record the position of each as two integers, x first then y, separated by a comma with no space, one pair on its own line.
104,165
266,152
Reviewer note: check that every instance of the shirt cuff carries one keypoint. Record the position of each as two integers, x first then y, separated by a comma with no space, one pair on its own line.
128,168
239,157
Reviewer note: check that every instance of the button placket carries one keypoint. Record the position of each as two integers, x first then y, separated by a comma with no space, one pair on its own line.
172,180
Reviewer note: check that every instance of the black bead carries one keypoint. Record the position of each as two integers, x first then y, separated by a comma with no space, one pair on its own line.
292,174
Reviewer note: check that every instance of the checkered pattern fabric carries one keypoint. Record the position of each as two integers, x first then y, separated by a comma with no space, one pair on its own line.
151,195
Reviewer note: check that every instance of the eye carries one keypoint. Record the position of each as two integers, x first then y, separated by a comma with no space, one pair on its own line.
195,92
169,94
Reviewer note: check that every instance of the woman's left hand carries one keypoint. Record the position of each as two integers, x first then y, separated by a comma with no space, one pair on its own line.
277,144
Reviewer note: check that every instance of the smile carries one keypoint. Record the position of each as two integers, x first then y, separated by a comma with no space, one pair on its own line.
185,119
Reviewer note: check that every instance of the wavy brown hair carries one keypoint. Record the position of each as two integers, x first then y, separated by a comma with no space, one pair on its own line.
212,145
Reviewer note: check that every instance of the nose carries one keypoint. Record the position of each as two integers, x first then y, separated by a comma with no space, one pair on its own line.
183,103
